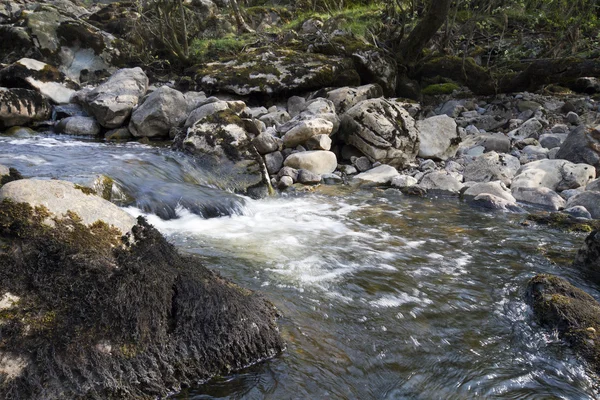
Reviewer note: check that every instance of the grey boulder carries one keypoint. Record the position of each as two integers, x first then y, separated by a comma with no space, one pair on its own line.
438,137
163,109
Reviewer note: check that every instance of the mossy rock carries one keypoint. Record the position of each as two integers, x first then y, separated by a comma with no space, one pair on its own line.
101,317
275,72
464,71
440,89
574,314
565,222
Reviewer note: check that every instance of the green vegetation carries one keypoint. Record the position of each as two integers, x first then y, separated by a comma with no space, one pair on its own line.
440,88
202,50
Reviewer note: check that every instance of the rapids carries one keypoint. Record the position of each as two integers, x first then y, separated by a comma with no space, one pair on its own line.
383,296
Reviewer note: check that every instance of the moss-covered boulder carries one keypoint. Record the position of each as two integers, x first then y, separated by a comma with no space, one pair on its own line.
588,256
222,144
86,314
574,314
457,69
275,72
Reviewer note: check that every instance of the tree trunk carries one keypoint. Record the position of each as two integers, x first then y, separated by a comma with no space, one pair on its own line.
243,27
424,31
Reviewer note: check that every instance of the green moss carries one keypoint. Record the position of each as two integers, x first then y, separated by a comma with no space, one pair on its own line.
562,221
85,189
440,88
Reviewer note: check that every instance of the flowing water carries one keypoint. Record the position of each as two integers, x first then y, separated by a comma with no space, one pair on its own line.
383,296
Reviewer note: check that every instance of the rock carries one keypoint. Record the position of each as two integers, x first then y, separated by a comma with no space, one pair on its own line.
495,188
194,100
81,126
383,174
491,202
99,305
348,169
36,75
288,171
382,130
581,146
403,181
331,179
362,164
452,109
274,72
285,182
163,109
265,143
274,162
552,140
593,186
60,197
494,142
319,142
345,98
112,102
305,130
4,171
275,118
578,212
563,308
573,118
491,167
221,142
22,107
295,105
560,129
312,26
540,196
439,138
440,182
308,178
209,107
587,199
589,85
588,256
557,175
118,134
530,129
317,162
427,165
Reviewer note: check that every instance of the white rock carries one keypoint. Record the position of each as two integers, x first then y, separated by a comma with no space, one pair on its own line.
541,196
557,175
382,174
318,162
439,138
61,196
300,133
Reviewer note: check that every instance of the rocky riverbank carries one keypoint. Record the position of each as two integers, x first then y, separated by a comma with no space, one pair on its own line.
108,324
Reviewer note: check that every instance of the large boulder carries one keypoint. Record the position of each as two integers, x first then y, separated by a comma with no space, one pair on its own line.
22,107
574,314
492,167
438,137
347,97
211,106
275,71
33,74
382,130
582,146
222,144
112,102
557,175
87,314
61,197
588,199
164,109
317,162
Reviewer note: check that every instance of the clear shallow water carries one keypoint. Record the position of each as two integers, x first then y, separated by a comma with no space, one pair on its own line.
383,296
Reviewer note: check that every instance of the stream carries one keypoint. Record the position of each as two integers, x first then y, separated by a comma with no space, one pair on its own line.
383,296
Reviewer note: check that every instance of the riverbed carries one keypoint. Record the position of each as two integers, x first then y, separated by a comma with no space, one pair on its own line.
382,296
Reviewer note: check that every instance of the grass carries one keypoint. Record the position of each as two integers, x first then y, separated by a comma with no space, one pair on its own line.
202,50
